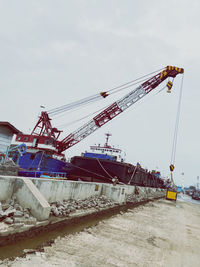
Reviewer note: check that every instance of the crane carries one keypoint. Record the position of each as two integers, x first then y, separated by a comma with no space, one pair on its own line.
44,133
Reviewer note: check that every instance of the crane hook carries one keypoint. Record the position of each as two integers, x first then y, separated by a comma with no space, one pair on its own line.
169,86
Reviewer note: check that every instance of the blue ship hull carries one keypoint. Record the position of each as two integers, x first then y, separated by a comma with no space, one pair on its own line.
40,163
42,174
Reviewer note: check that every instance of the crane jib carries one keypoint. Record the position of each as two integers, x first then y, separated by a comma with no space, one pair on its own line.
118,107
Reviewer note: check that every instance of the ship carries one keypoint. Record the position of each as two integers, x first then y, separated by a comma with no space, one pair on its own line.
102,164
43,153
105,163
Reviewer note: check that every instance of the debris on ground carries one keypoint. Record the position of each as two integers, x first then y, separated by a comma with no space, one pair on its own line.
64,208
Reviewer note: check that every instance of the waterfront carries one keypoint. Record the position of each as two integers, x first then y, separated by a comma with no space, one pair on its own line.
160,233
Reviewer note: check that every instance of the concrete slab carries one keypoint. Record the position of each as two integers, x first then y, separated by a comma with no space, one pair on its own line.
30,197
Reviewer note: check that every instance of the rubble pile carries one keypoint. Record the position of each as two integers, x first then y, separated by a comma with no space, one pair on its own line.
61,209
9,168
132,198
12,213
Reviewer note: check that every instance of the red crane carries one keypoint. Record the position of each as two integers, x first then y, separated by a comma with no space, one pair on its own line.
44,133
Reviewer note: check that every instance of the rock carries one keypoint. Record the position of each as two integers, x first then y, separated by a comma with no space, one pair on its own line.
29,251
55,212
53,207
27,210
72,209
58,203
19,220
5,206
65,214
2,217
8,220
26,216
11,202
9,212
18,213
18,207
60,208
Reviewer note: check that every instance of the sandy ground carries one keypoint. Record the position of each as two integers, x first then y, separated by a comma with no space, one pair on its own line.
161,233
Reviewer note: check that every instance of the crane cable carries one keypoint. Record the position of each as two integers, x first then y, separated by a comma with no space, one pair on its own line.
73,105
99,110
133,82
68,108
174,145
96,97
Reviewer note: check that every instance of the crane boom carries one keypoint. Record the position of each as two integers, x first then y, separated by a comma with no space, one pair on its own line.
117,107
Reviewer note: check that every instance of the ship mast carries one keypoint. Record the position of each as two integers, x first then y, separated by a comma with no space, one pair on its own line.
107,137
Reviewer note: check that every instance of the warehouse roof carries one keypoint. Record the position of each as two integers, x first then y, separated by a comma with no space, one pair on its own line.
10,126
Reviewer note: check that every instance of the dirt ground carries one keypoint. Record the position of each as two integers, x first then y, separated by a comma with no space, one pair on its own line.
161,233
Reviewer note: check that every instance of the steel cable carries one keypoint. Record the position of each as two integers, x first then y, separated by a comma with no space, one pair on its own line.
96,97
173,155
133,81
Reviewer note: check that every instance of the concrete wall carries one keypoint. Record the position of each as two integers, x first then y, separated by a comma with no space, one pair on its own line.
58,190
130,189
117,193
6,187
36,194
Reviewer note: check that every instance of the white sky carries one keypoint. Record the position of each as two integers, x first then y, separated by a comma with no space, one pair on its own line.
57,52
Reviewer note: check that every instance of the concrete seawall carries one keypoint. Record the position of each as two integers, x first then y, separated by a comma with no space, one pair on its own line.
37,195
29,190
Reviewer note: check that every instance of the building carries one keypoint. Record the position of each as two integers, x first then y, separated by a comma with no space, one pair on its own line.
7,130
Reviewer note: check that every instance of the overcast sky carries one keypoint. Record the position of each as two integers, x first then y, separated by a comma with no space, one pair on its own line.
56,52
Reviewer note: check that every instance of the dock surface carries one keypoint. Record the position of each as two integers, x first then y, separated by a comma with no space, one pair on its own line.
160,233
